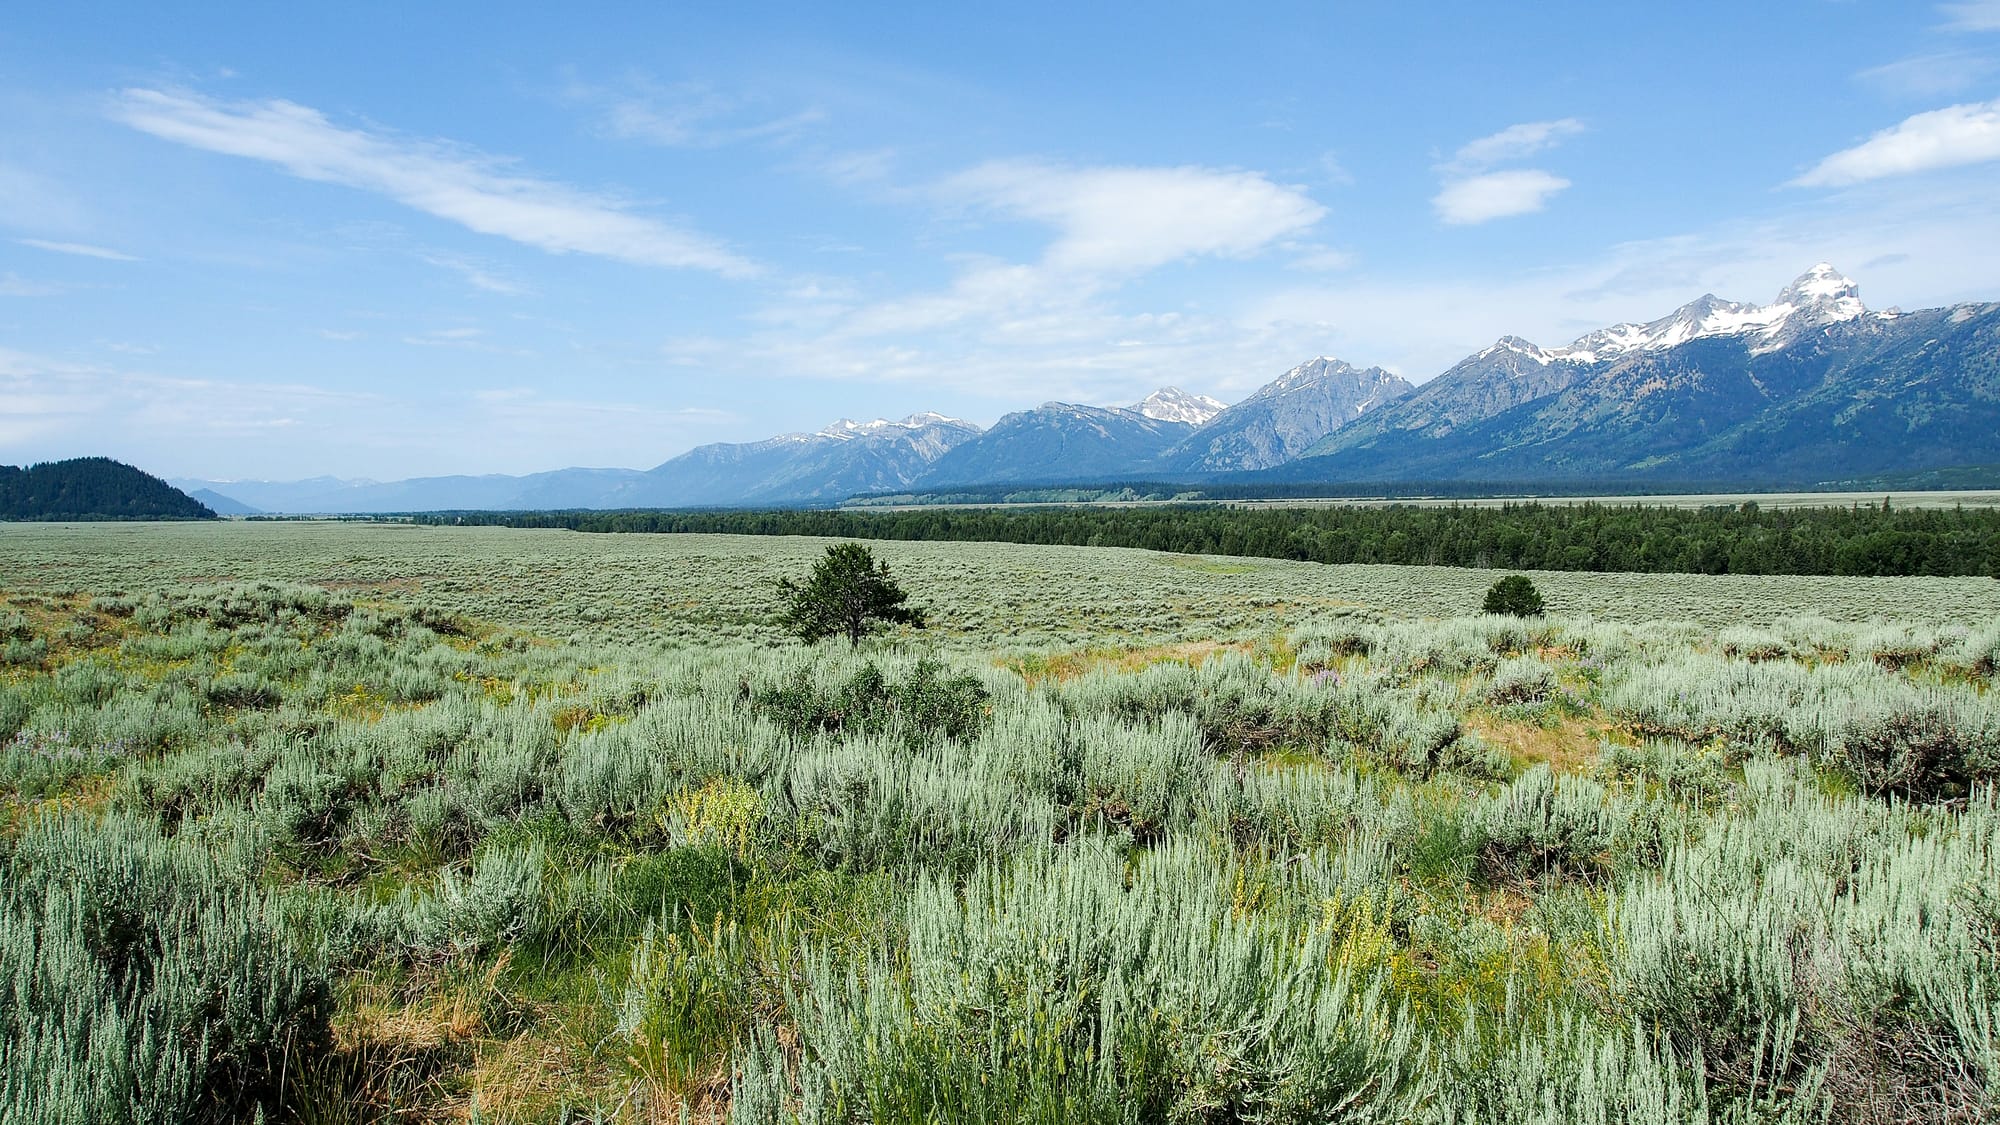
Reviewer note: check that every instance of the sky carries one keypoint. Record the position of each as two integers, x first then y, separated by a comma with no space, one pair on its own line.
377,241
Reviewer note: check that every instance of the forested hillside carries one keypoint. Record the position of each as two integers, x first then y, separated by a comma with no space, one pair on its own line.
1589,537
92,488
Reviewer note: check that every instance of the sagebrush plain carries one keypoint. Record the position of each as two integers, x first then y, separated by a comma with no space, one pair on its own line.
351,822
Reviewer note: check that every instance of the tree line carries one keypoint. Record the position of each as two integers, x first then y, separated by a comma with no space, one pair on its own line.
1719,539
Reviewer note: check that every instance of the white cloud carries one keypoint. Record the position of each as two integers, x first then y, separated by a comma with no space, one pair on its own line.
1972,15
1496,195
1128,219
77,248
1941,138
477,191
1036,327
1515,142
1471,193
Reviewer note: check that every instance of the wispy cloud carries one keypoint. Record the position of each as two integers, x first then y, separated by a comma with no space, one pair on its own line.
477,191
1515,142
1317,258
478,276
1471,192
239,429
31,201
1929,76
14,285
79,249
1972,15
1123,219
1496,195
50,399
1941,138
688,114
1110,224
460,337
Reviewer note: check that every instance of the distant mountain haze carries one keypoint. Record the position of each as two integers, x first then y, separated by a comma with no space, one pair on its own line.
1813,386
222,505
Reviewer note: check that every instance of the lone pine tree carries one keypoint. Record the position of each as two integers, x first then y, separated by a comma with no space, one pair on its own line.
1515,595
848,592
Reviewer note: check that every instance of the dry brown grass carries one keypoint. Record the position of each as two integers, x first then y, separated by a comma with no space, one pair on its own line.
91,795
1569,746
1063,666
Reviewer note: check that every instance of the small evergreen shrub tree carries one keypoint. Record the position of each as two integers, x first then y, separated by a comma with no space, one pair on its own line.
848,592
1514,596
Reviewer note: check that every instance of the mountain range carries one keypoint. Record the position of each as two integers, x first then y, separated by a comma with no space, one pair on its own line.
1811,387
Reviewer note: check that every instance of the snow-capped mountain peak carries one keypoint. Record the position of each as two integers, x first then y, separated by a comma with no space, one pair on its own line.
1312,370
847,429
1821,284
1516,345
1171,404
1819,297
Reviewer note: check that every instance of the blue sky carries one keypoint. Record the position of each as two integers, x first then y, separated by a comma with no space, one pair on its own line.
392,240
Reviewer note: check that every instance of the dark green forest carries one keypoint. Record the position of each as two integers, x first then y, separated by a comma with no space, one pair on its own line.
1733,539
92,488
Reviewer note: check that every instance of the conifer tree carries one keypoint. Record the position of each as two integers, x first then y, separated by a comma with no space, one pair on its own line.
1515,595
848,592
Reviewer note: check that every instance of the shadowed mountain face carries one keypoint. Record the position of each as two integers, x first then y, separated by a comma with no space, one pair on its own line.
1285,417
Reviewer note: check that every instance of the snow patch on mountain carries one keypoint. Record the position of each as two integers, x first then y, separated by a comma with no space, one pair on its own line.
847,429
1819,297
1171,404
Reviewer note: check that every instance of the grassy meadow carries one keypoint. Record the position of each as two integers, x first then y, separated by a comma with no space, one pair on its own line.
359,822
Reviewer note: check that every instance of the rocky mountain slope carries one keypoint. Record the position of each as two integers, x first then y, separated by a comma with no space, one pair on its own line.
1059,441
1285,417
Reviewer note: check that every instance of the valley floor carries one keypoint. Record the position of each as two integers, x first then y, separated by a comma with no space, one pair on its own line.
355,822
